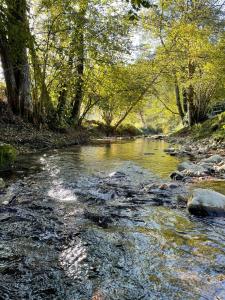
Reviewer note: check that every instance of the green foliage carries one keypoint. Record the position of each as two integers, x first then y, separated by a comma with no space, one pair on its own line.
2,91
7,155
191,49
214,128
78,54
128,130
151,130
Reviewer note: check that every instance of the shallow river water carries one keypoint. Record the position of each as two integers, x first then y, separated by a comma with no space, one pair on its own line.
79,226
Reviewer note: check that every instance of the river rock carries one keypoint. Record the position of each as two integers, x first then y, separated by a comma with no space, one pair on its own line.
173,185
177,175
184,165
170,150
214,159
206,202
191,169
220,168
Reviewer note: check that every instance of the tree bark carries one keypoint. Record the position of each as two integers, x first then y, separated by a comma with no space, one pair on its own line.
7,64
178,100
185,101
61,102
190,96
79,89
13,51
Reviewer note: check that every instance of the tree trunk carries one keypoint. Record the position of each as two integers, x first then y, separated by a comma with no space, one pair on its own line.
185,101
75,115
79,90
61,102
190,96
43,106
7,64
25,100
14,58
178,101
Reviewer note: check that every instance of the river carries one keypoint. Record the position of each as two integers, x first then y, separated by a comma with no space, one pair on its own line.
79,225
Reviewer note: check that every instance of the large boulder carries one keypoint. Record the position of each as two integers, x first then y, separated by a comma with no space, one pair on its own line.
190,169
214,159
206,202
7,156
184,165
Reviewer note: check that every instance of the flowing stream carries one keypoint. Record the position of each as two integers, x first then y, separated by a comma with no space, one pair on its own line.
78,224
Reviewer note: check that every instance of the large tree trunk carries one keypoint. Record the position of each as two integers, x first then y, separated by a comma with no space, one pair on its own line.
79,89
190,96
61,102
7,64
185,101
25,98
178,101
43,106
14,58
75,115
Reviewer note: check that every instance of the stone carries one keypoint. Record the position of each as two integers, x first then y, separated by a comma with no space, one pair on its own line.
2,183
214,159
169,150
184,165
163,186
220,168
191,169
177,175
209,168
182,201
173,186
117,174
205,202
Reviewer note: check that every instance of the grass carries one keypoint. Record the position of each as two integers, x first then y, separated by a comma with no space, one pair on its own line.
214,128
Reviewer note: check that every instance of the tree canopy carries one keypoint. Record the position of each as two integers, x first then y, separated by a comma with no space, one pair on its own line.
68,61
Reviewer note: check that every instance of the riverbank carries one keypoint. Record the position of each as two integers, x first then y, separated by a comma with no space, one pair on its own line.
27,138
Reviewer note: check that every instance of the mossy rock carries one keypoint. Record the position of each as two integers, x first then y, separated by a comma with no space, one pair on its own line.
7,156
2,184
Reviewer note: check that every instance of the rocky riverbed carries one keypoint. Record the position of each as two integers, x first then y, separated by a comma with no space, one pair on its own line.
90,224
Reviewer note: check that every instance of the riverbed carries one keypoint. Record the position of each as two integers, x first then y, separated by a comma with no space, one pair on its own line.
78,224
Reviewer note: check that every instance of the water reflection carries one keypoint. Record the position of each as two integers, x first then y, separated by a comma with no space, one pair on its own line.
146,153
72,259
145,252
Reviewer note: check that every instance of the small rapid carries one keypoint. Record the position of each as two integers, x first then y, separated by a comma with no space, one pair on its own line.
81,224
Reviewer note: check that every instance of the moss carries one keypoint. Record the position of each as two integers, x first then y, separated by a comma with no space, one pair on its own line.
214,128
7,155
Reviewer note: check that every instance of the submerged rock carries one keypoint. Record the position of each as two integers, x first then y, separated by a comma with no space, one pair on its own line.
206,202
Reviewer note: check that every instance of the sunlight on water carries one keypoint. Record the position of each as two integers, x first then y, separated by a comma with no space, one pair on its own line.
57,190
72,261
85,235
60,193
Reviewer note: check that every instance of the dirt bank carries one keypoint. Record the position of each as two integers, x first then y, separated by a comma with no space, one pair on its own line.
27,138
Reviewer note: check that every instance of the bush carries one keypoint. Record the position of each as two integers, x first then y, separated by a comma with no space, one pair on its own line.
128,130
151,130
7,155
